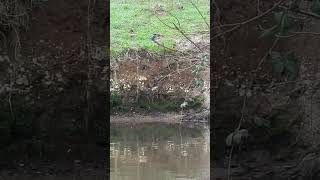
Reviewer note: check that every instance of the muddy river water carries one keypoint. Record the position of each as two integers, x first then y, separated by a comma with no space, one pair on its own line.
145,151
159,152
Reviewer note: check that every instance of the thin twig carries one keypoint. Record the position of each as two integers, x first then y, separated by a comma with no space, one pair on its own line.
180,30
225,32
89,73
293,34
258,7
285,36
299,11
242,112
266,55
306,13
311,119
238,128
306,33
229,162
11,109
176,27
200,14
175,18
164,22
238,25
17,43
165,47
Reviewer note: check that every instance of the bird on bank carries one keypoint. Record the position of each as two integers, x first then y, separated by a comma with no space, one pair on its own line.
155,38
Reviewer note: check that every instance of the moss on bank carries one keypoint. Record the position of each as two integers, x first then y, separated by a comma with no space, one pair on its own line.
157,105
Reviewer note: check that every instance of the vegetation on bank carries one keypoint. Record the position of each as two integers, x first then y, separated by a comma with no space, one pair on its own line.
133,25
161,105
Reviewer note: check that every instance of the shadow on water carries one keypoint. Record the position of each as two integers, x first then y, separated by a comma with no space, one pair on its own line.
159,151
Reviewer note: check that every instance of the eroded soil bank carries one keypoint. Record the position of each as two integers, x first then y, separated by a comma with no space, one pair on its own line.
148,82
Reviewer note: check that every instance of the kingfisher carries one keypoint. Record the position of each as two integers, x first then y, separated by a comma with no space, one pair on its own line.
155,38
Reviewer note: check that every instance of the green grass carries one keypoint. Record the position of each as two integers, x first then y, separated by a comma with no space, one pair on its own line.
135,16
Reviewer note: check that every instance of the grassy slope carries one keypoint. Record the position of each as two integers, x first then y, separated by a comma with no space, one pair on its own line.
134,16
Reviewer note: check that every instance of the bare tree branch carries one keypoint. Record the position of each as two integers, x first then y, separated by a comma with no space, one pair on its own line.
181,31
238,25
178,28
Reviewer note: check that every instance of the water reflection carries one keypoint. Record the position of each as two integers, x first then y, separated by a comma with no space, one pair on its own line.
159,152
